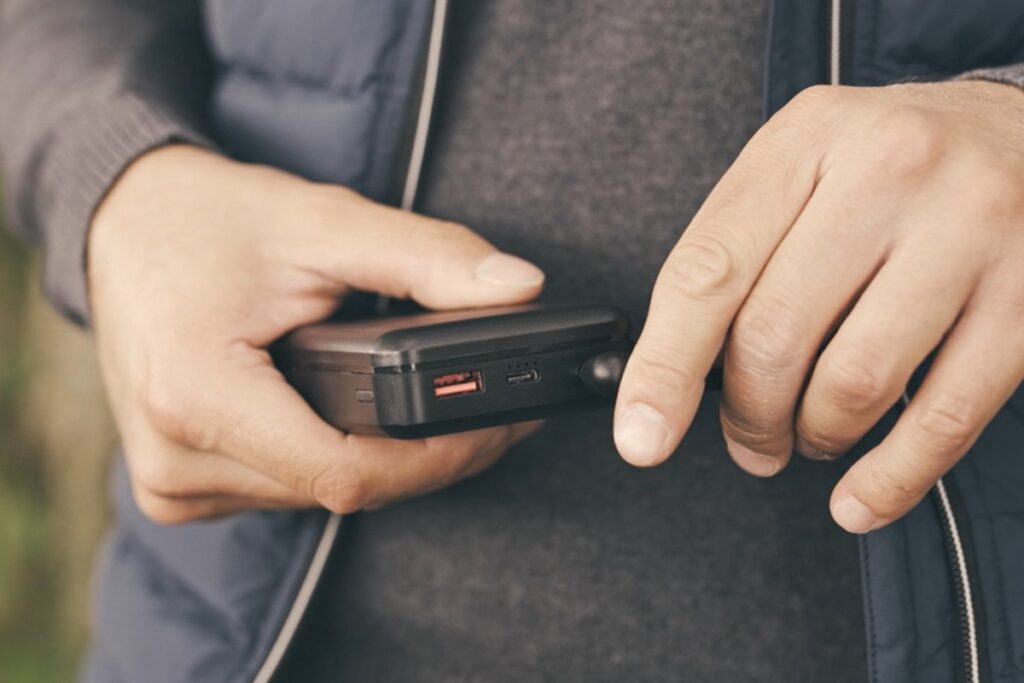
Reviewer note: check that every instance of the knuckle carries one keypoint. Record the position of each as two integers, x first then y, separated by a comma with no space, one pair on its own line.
324,202
341,493
765,340
435,230
753,431
813,102
175,413
858,379
156,475
164,410
821,441
993,192
949,422
700,266
166,511
659,367
906,142
887,491
804,119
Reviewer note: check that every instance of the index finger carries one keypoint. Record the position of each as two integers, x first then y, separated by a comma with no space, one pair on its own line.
704,282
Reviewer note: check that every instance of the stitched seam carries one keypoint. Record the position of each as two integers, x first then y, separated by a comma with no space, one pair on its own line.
385,92
248,672
870,602
364,89
105,555
914,599
1000,590
907,562
784,61
873,41
389,104
164,575
766,96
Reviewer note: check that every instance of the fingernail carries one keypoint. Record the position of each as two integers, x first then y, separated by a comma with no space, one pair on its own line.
853,515
808,451
758,464
508,271
641,434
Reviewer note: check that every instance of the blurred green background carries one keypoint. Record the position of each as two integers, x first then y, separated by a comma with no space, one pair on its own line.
55,441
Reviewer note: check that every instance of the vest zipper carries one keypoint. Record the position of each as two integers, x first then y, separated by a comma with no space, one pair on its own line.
839,30
838,25
302,598
958,556
957,553
835,41
838,21
424,112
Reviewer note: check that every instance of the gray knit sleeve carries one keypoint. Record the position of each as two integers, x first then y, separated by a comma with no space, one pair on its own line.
86,86
1012,74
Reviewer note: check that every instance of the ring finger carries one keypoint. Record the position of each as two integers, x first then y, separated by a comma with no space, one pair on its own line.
900,319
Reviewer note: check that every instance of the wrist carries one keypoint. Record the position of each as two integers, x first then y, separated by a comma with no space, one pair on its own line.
151,188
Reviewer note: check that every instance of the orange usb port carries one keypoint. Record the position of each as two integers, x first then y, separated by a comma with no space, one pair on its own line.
458,384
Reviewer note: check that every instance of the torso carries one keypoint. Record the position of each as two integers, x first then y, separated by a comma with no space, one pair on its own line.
584,136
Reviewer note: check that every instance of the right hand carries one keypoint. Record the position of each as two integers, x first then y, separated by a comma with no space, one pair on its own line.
196,264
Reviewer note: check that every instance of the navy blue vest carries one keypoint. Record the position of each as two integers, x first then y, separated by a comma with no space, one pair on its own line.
324,88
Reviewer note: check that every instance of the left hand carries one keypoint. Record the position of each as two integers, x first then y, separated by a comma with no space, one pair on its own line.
887,222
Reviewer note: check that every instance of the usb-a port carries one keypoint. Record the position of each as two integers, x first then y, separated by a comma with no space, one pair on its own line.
458,384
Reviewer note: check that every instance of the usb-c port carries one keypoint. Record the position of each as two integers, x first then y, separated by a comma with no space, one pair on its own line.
523,377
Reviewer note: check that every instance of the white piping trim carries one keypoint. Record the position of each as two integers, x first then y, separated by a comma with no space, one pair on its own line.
961,568
834,39
302,598
412,179
426,108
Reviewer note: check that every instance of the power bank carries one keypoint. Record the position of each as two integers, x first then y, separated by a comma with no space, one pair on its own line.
425,374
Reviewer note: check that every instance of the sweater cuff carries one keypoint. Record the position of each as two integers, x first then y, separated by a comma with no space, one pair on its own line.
85,159
1010,75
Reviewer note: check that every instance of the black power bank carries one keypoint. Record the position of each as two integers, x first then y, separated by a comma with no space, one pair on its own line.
426,374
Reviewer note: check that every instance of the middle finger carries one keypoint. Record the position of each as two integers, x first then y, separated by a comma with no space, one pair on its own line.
811,279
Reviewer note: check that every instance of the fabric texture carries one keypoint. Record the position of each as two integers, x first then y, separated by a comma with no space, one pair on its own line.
211,597
1010,75
87,87
584,136
331,102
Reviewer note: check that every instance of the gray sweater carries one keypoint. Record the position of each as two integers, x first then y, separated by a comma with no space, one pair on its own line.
584,136
86,86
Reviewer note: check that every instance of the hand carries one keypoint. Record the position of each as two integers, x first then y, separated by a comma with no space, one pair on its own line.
196,264
887,222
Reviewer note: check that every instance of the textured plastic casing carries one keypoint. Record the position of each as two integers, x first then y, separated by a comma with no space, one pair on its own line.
377,376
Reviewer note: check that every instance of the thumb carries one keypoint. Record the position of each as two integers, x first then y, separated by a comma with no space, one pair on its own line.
441,265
